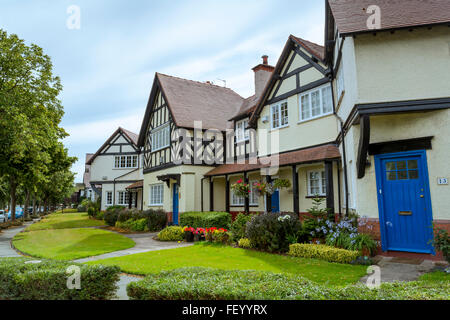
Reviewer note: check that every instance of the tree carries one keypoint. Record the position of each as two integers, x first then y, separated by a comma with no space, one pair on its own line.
31,113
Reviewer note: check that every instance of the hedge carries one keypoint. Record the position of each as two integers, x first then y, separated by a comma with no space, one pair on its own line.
47,280
213,284
172,233
206,219
323,252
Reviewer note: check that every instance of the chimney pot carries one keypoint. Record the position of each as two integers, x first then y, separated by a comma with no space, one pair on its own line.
265,58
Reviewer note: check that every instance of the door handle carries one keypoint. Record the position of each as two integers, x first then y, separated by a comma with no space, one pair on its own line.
421,195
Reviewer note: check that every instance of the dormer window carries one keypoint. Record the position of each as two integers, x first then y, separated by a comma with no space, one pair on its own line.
242,130
279,115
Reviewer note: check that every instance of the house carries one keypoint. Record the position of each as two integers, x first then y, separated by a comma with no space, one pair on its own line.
362,122
392,98
115,171
176,157
87,192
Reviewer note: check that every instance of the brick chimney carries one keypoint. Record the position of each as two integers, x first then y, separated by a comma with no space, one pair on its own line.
263,72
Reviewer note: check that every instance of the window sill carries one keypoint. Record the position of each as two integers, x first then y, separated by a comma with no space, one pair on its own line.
241,206
279,128
155,205
315,118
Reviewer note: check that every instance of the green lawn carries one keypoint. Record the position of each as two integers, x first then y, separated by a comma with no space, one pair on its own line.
229,258
435,277
64,221
69,244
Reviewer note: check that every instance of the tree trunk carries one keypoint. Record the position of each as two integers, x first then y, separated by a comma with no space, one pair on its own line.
13,187
34,203
27,203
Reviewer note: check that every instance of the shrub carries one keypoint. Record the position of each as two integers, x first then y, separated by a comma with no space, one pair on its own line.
133,225
111,215
363,242
124,215
239,225
206,219
157,219
341,240
323,252
81,208
91,212
47,281
273,232
244,243
212,284
442,243
172,233
100,215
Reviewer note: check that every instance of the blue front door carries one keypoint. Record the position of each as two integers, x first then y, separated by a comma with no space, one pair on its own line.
175,204
276,201
404,202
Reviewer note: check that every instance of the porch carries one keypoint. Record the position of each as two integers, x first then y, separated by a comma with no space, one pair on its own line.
312,172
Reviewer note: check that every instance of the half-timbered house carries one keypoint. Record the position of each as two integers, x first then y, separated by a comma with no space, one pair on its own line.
116,171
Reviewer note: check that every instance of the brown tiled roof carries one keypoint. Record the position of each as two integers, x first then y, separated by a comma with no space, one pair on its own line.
351,16
136,185
191,101
319,153
133,136
315,49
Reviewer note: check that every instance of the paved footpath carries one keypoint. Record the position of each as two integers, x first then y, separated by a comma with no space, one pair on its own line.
144,243
5,241
391,271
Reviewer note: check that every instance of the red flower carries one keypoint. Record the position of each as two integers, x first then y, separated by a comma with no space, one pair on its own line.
239,181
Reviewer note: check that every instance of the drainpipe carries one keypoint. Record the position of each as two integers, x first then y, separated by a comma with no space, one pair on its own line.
343,146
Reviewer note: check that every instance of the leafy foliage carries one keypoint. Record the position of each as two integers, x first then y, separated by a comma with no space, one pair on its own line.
273,232
442,243
213,284
318,251
239,226
206,219
244,243
172,233
47,281
157,219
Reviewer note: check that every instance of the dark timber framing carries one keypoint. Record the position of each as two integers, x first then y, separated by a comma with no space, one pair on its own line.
296,48
269,196
330,187
295,189
227,193
423,143
247,200
363,147
211,194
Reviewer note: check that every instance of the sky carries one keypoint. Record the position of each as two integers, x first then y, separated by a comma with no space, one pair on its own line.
107,66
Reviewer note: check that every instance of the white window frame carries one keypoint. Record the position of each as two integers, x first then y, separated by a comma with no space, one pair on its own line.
254,196
126,162
109,200
242,133
122,198
322,185
156,194
309,94
160,137
236,201
277,106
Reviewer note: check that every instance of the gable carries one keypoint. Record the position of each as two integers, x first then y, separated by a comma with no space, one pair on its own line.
120,142
298,70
